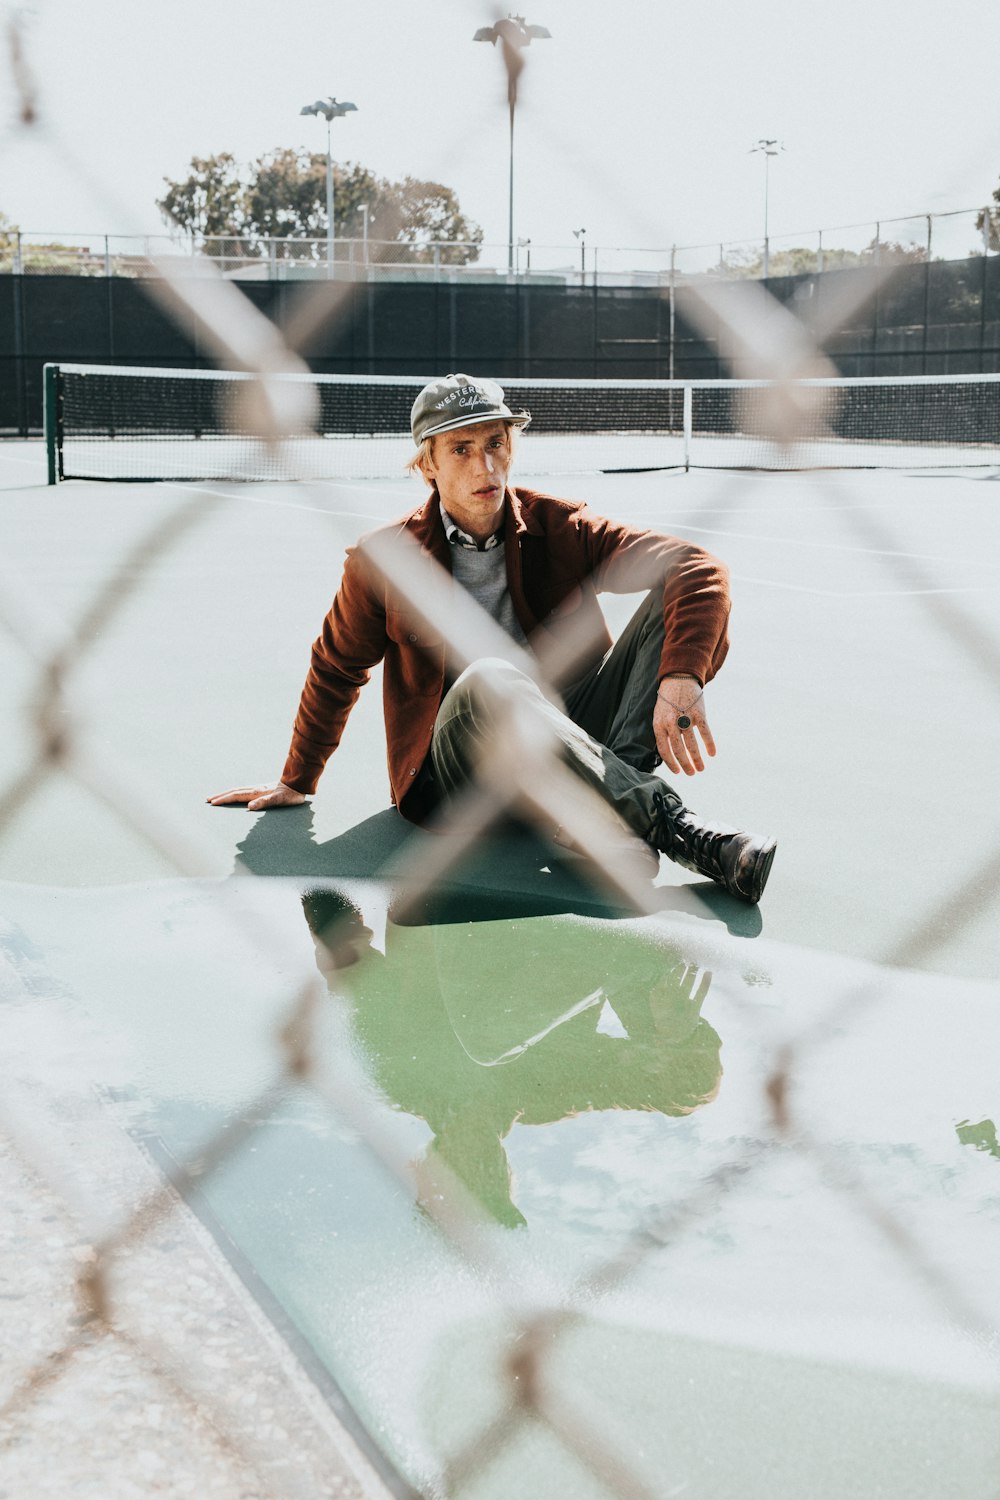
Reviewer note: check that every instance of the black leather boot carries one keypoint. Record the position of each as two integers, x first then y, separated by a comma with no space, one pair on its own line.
739,861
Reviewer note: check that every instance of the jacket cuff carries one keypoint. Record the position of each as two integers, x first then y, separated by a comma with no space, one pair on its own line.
691,665
300,774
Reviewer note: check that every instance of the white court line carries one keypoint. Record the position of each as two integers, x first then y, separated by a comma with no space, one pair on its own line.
802,588
791,541
316,510
33,462
736,577
799,507
349,515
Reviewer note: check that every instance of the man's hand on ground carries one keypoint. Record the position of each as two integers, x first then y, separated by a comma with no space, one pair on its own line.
676,698
258,798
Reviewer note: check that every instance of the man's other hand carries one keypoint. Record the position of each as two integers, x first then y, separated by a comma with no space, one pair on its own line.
677,698
258,798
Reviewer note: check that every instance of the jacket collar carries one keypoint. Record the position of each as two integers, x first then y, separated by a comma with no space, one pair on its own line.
427,527
521,512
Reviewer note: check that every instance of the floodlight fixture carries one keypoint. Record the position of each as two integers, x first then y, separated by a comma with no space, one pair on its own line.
331,109
514,34
767,148
581,235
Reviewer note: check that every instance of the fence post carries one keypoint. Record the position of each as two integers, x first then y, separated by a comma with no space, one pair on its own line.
18,262
819,254
673,309
877,252
23,401
982,314
107,257
595,317
927,298
930,227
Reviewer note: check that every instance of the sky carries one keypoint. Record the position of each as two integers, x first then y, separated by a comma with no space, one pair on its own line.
635,120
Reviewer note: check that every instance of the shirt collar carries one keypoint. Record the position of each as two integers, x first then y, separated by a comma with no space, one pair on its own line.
459,538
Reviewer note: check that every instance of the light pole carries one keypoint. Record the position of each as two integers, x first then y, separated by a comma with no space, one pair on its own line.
526,246
330,110
580,234
363,209
513,34
769,149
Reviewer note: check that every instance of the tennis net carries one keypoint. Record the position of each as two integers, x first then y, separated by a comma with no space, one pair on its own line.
133,423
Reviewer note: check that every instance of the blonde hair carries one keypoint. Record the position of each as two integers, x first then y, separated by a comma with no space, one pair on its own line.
416,462
426,449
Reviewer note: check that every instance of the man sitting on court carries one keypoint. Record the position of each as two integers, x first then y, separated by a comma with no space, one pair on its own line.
536,565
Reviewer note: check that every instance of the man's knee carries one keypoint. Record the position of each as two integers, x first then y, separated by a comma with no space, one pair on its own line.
485,679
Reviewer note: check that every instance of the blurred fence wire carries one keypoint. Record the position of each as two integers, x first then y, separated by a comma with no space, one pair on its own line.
764,339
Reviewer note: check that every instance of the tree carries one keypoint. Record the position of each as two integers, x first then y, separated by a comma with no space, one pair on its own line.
209,201
427,212
8,236
286,195
988,221
801,260
283,195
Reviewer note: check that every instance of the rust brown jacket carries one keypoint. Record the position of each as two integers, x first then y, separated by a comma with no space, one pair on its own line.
560,556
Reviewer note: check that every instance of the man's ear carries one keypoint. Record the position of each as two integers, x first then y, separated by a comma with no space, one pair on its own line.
426,463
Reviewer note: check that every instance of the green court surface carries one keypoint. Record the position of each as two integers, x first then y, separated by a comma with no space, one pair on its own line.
814,1311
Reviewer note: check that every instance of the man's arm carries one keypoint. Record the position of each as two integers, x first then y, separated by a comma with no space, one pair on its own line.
696,605
351,642
696,602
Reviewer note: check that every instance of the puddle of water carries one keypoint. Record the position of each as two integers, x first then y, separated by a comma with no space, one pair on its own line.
581,1078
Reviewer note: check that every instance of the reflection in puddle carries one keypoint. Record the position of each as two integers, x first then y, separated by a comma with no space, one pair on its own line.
474,1027
982,1134
777,1344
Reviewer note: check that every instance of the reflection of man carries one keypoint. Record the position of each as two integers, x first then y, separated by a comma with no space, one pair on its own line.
475,1027
536,565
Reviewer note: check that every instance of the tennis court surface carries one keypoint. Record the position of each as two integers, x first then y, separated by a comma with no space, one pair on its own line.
546,1197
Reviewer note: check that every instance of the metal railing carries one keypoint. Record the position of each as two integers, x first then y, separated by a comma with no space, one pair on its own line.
942,236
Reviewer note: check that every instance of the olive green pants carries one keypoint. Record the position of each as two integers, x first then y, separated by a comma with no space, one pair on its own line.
605,734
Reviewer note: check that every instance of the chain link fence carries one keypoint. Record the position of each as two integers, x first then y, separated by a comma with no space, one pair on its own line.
957,234
521,773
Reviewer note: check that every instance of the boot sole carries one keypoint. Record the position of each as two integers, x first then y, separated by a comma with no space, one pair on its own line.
752,883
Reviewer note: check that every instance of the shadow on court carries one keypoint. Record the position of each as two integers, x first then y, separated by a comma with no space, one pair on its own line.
511,873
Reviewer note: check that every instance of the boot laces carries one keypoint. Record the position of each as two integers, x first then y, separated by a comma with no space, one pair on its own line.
702,845
695,843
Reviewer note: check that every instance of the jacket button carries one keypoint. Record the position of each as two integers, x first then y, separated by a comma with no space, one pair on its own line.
411,637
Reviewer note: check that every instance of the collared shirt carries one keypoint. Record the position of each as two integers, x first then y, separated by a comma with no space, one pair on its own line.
482,571
459,538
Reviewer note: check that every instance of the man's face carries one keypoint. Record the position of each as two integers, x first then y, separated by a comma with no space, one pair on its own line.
470,467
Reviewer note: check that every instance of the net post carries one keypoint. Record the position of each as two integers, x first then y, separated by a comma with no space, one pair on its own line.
51,421
688,411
